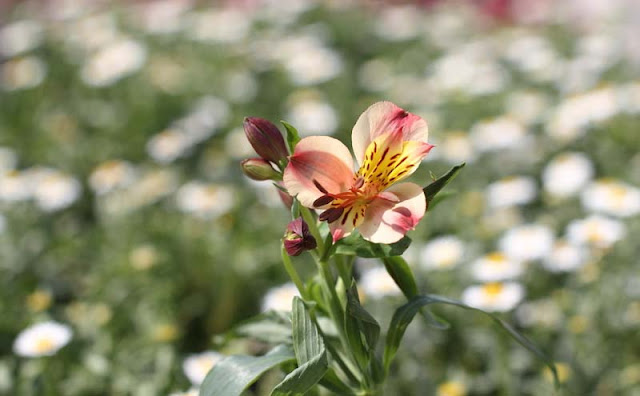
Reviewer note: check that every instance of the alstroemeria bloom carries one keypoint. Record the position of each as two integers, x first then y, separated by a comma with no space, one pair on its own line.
389,144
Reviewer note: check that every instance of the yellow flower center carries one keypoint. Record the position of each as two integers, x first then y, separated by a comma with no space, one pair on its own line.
44,345
493,290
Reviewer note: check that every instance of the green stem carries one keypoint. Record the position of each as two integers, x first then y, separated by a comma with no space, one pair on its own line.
293,274
345,267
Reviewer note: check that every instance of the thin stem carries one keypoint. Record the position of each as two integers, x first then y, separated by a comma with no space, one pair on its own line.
345,267
293,274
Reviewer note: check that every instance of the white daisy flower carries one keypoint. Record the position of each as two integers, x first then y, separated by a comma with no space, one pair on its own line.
313,117
456,147
527,242
565,257
114,62
494,297
499,133
22,73
168,145
197,366
15,186
205,201
442,253
566,174
611,197
496,267
280,298
54,190
42,339
399,23
596,230
377,283
227,26
111,175
576,113
511,191
535,56
527,106
20,36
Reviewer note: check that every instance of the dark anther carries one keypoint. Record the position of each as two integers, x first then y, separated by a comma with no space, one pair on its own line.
323,200
331,215
319,186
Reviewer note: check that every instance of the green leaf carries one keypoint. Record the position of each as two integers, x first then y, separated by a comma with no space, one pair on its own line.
270,327
356,245
401,273
432,189
332,382
233,374
404,315
310,354
366,323
293,137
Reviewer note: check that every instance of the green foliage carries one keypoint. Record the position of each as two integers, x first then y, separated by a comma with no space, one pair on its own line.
232,375
355,245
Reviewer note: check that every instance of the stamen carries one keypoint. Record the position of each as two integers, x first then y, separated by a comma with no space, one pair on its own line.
319,186
323,200
331,215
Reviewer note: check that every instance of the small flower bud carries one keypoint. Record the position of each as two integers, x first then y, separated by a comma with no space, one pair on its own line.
259,169
265,138
286,199
297,239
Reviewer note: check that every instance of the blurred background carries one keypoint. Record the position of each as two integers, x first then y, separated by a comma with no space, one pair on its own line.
124,215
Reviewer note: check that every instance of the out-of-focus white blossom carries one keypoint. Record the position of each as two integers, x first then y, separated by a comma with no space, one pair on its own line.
225,26
442,253
611,197
494,297
376,283
527,107
399,23
499,133
313,117
573,115
20,36
566,174
8,159
596,230
163,16
114,62
42,339
496,267
205,201
111,175
375,75
15,186
190,392
534,56
280,298
197,366
455,147
565,257
511,191
22,73
527,242
54,190
168,145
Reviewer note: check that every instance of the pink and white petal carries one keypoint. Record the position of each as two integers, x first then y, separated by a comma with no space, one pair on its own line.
382,118
388,220
351,218
318,162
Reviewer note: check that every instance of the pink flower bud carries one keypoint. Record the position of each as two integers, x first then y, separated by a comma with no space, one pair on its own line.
297,239
259,169
265,138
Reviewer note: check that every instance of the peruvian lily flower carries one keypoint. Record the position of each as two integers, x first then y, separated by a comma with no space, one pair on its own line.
389,144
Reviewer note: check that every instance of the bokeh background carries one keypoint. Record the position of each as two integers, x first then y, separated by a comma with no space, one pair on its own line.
125,216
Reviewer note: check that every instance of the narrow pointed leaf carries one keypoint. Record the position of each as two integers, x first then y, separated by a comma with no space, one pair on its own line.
310,354
404,315
332,382
233,374
432,189
293,137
